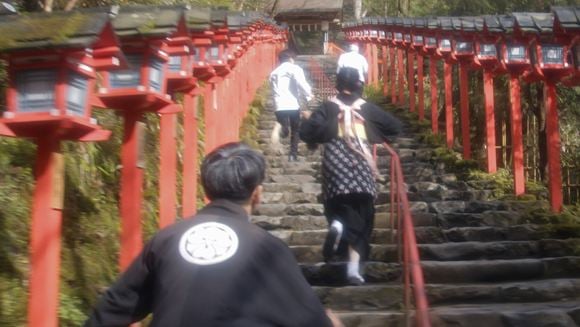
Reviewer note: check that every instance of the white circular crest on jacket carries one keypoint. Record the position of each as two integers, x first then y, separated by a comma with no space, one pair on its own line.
208,243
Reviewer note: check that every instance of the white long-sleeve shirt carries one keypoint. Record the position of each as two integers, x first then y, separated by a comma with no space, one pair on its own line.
288,82
355,60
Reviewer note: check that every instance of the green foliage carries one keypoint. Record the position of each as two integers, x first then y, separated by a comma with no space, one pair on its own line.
374,93
249,127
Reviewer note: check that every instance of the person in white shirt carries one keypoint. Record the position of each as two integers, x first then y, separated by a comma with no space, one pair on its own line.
288,84
355,60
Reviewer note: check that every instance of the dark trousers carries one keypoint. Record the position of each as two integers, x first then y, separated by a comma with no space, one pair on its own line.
357,213
290,121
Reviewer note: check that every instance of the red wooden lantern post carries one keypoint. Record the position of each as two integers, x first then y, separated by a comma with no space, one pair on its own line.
198,22
516,58
430,48
410,50
179,48
445,51
365,39
418,44
399,43
392,59
374,42
139,89
486,48
382,39
549,53
464,51
50,83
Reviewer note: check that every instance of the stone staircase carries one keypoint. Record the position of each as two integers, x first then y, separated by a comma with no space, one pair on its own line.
486,263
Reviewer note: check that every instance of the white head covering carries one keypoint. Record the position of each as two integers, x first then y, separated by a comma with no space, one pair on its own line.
353,47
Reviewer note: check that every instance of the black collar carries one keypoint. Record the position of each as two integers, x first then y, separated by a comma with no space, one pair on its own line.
218,206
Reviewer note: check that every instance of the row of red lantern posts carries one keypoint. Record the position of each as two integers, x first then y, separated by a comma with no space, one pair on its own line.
133,60
530,46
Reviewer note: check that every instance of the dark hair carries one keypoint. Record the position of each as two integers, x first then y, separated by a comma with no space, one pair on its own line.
348,79
286,55
232,172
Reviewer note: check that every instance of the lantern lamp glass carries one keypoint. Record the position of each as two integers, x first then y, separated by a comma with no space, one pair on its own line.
156,74
127,78
488,50
445,45
553,54
36,90
175,63
463,47
418,39
77,94
516,52
214,53
431,42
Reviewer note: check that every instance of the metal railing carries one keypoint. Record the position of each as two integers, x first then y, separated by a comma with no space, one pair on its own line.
400,214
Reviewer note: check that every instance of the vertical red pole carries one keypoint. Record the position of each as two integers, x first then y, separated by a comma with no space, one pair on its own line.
375,55
464,103
189,155
167,170
448,70
209,118
393,78
45,234
369,57
489,121
434,96
411,79
401,74
516,133
385,71
553,144
131,189
420,87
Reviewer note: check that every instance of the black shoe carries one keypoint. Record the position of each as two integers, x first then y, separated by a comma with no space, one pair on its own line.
330,243
292,158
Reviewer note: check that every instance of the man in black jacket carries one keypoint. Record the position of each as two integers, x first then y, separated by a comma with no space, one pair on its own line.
216,268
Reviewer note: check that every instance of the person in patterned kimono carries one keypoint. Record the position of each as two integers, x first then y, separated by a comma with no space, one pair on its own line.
347,126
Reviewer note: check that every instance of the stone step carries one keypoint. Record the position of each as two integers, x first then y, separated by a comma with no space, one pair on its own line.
488,218
289,223
372,318
290,198
475,271
437,235
289,178
282,209
371,297
292,187
459,251
296,168
556,314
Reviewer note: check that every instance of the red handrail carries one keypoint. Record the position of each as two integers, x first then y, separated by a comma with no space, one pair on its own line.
411,262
